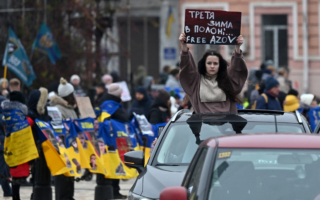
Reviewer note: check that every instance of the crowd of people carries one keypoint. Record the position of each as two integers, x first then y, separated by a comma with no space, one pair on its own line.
272,89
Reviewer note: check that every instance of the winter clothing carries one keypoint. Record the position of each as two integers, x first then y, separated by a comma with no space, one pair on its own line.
307,99
140,76
106,79
163,78
75,76
65,88
305,108
291,103
272,104
160,112
17,96
210,91
141,107
66,110
172,82
293,92
190,80
285,85
115,90
271,83
119,114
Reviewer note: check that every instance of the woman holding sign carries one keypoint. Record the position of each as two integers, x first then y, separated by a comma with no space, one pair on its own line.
212,85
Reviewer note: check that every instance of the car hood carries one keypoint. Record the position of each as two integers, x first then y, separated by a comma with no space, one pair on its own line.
155,179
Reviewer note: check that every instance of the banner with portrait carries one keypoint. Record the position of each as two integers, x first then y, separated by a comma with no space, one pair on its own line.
89,148
19,145
119,138
53,148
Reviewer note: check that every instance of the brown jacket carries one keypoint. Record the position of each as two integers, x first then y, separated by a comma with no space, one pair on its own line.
190,82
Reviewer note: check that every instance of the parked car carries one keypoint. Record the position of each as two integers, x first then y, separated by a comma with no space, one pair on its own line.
181,137
253,167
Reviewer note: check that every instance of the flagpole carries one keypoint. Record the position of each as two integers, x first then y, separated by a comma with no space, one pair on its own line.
4,76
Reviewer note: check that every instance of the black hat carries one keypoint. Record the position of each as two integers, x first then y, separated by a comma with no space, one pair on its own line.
174,71
17,96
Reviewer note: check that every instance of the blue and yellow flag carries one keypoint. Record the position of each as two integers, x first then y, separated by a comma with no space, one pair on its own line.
107,109
314,117
119,138
16,59
53,149
19,145
169,21
45,44
89,148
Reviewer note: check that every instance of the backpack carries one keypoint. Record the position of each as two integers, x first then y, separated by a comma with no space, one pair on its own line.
253,107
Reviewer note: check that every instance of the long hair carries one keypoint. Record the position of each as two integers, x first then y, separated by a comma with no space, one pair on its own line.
222,76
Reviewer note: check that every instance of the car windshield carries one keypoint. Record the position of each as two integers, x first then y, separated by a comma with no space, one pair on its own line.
182,139
266,174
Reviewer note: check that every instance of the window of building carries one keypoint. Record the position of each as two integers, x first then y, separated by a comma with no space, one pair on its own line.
274,44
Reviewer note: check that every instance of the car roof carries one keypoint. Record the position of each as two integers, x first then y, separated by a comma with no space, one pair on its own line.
260,140
247,115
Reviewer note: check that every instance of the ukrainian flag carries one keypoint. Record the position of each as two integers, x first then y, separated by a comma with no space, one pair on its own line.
19,145
107,109
169,21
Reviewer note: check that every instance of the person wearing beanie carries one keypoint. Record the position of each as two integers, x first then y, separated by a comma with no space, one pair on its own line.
269,99
141,105
160,109
307,102
75,81
114,94
107,80
291,103
173,79
66,103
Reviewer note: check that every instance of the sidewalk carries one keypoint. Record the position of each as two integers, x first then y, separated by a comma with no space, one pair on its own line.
84,190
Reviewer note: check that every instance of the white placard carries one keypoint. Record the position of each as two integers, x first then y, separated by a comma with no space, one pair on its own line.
145,126
125,96
56,117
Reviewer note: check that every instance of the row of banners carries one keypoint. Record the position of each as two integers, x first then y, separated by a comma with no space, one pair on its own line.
16,58
76,145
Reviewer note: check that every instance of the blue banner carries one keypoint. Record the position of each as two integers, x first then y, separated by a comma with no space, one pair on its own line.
16,59
314,117
45,44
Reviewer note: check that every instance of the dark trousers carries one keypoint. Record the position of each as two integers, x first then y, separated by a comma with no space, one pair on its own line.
4,170
116,186
64,187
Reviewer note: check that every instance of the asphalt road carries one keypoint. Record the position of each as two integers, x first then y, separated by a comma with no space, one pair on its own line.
84,190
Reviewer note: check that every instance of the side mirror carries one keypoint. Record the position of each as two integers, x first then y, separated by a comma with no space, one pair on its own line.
174,193
135,159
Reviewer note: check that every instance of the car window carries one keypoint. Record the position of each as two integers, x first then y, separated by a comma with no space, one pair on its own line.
182,139
194,180
266,174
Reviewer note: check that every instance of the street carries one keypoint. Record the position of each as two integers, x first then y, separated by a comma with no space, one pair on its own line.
84,190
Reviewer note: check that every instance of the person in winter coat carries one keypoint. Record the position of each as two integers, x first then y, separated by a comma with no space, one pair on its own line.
164,74
173,79
213,87
66,104
140,76
142,104
107,80
4,168
307,102
75,81
100,91
37,109
20,172
285,84
160,109
269,99
114,94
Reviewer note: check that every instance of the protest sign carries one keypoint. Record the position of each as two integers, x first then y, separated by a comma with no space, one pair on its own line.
85,107
125,96
212,27
56,117
145,127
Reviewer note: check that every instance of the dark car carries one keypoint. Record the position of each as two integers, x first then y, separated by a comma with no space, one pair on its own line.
253,167
180,138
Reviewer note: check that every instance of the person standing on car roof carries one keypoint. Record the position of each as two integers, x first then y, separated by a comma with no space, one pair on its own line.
213,86
269,99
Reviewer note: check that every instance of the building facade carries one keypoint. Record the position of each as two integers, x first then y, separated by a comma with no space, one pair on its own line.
273,30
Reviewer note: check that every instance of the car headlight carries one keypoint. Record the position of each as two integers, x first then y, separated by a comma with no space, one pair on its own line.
133,196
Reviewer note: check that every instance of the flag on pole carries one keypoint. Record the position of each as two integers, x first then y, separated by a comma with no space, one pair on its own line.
45,44
16,59
169,21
